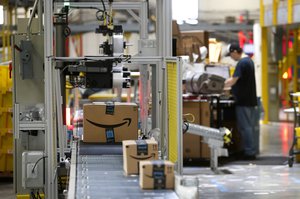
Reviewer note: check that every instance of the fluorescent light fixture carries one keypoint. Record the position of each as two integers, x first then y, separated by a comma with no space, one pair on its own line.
67,3
185,10
191,21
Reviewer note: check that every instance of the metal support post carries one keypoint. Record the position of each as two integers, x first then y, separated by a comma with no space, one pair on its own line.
213,159
144,75
61,130
40,16
164,44
50,132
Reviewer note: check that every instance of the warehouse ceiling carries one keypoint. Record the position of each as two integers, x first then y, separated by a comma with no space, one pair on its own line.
222,25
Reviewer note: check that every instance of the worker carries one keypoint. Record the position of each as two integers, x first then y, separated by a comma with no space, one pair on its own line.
244,91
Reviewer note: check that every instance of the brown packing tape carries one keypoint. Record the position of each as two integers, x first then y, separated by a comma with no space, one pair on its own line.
158,175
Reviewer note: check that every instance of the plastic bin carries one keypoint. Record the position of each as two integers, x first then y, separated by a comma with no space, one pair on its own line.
2,162
6,99
6,81
6,136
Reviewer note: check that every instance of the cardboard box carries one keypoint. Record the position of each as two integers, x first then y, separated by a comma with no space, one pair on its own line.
175,29
191,143
135,151
193,147
110,122
190,42
215,49
205,121
156,174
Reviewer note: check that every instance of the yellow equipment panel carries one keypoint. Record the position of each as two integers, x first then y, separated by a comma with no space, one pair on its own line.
172,110
27,196
174,106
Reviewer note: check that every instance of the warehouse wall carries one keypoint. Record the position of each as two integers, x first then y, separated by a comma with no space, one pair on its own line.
217,10
228,4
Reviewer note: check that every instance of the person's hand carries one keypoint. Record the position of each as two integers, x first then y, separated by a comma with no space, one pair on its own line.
226,88
226,91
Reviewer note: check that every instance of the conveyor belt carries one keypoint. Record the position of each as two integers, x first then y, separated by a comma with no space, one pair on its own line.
101,176
100,149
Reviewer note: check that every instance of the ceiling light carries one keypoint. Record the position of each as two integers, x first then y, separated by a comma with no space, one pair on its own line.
182,10
191,21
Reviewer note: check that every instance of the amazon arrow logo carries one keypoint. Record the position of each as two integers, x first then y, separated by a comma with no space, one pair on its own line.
126,120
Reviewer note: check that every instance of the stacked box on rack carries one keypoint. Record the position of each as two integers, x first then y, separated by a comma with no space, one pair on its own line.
6,135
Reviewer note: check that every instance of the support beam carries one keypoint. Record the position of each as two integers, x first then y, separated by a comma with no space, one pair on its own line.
264,72
164,49
274,9
290,11
295,64
50,132
262,13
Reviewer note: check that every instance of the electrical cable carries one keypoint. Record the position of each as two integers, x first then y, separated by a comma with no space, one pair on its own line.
33,195
38,195
38,162
103,5
189,114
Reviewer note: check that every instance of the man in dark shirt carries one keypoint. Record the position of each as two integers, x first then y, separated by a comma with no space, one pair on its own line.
244,92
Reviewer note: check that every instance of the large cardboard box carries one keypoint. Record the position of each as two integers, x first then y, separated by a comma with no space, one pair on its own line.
156,174
190,42
193,147
191,143
175,30
110,122
135,151
205,121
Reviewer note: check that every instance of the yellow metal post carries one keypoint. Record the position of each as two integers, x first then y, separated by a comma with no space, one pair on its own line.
290,11
295,66
275,8
262,13
264,63
264,73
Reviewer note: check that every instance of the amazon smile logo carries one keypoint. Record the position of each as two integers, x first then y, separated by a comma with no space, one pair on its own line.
143,158
111,126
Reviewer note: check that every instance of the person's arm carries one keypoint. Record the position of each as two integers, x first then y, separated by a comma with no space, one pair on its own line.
230,82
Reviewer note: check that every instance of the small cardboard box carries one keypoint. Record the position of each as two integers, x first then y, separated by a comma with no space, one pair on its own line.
135,151
156,174
110,122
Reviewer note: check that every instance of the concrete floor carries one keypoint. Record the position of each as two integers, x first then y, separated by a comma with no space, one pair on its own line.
6,188
251,181
246,181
